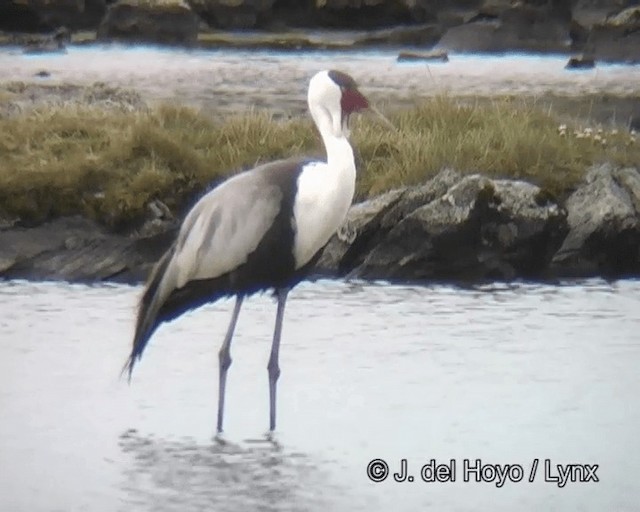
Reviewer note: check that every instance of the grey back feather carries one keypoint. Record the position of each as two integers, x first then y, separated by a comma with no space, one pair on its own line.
222,229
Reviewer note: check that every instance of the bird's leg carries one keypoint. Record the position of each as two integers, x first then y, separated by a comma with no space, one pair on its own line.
274,369
225,360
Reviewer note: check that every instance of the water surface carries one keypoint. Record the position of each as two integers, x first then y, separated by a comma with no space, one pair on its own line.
502,373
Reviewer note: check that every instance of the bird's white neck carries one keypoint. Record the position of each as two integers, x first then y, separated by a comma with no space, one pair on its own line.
335,139
325,191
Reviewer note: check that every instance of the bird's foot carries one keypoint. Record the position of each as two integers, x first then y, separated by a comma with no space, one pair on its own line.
220,439
271,438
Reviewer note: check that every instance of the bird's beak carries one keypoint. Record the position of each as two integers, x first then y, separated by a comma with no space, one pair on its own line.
383,118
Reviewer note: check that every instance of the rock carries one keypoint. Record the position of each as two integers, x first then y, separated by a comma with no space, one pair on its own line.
604,222
351,14
479,229
617,38
508,27
334,14
51,43
77,249
164,21
627,18
588,13
434,55
46,15
18,16
159,220
579,35
74,14
452,227
369,222
581,62
7,221
362,225
233,14
416,197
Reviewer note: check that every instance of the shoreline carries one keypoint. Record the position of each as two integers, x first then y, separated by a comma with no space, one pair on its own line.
452,229
287,41
78,250
604,31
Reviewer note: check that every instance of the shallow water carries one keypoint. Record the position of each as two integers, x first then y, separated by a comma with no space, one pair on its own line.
502,373
235,80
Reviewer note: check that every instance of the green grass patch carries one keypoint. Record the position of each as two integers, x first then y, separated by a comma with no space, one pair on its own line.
109,164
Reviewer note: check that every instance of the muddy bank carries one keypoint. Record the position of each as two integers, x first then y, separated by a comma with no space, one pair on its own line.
453,228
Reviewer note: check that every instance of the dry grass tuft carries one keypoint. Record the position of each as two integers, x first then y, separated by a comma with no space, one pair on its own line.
109,164
500,139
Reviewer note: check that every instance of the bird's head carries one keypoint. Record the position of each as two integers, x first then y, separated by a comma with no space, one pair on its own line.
333,96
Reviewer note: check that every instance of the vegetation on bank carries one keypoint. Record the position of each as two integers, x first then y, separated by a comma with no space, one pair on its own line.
110,164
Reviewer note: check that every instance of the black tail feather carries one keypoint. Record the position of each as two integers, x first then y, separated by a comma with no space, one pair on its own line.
155,310
148,310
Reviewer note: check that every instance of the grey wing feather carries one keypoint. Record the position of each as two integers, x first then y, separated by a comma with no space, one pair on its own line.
222,229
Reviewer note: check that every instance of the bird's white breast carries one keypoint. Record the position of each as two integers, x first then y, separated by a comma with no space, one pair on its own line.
323,198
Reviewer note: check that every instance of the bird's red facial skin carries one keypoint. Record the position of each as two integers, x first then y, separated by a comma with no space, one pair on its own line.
353,101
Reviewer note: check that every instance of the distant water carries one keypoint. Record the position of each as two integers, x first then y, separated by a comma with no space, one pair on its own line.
505,374
240,79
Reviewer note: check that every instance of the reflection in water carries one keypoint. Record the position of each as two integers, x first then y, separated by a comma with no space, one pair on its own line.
505,373
254,475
